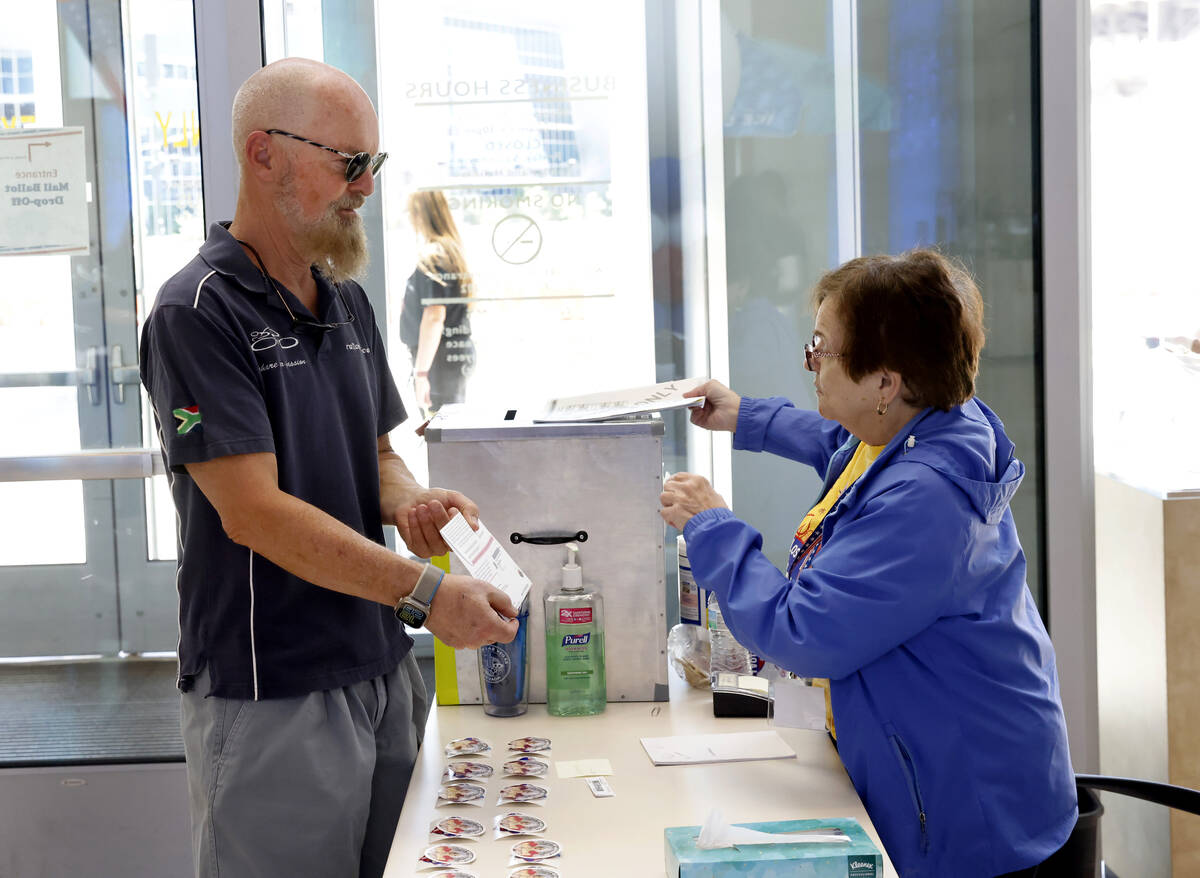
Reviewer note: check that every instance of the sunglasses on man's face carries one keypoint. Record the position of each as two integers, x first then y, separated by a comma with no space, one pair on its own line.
356,163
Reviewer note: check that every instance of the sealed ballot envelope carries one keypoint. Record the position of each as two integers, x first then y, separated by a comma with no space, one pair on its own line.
485,558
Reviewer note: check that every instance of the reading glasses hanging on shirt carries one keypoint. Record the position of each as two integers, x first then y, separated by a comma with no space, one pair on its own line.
297,322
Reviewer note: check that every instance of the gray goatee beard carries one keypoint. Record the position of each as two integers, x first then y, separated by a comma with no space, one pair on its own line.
335,244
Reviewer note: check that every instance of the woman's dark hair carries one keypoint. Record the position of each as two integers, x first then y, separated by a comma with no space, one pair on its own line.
918,314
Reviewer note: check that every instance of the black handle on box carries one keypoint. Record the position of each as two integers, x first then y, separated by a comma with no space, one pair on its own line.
580,536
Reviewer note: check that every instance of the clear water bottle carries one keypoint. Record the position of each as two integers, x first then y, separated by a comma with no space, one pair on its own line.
726,656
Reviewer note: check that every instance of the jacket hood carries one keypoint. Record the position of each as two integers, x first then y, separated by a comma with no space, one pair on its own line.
969,447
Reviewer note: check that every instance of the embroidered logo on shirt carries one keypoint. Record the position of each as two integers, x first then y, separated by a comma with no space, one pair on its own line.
189,417
267,338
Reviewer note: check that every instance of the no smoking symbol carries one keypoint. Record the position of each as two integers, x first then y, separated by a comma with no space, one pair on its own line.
516,239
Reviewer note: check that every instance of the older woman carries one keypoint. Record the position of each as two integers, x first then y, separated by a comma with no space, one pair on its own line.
905,585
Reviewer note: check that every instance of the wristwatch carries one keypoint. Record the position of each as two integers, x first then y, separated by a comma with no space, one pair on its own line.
413,608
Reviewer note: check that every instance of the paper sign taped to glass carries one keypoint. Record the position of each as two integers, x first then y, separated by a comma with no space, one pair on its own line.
43,192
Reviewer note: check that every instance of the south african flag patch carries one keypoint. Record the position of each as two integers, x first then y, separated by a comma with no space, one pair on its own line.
189,418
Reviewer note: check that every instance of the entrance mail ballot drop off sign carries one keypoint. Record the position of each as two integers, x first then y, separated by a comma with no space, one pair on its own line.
43,192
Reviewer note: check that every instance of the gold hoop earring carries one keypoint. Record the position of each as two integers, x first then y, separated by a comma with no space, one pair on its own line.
881,409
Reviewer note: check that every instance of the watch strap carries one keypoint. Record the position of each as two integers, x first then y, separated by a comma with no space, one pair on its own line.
413,608
427,584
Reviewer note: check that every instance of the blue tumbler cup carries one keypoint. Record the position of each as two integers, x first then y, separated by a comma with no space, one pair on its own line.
504,672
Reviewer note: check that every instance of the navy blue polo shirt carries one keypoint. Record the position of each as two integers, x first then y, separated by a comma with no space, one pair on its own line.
228,373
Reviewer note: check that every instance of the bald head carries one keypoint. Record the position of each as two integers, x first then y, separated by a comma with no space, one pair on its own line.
290,94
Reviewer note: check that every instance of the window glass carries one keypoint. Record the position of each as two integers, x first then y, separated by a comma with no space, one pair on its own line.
780,224
946,127
535,133
164,137
1145,62
943,139
37,331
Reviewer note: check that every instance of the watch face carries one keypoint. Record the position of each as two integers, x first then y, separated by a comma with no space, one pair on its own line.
411,615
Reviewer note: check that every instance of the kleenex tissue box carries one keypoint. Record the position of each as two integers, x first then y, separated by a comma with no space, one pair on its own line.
857,859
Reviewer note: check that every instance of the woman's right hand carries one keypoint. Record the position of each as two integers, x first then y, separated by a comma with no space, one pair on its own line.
421,390
720,409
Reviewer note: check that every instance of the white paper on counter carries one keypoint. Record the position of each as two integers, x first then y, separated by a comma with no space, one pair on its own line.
583,767
716,833
485,558
730,747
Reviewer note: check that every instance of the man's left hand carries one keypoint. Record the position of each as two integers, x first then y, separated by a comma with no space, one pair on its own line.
421,516
685,494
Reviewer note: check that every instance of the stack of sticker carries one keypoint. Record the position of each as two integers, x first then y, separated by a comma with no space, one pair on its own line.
464,784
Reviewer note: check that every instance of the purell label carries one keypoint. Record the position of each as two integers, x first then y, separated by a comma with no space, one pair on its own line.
576,639
574,615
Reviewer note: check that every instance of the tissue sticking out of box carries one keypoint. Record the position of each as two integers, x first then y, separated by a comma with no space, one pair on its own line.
716,833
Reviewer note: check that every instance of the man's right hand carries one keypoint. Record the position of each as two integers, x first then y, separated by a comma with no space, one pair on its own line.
720,409
467,613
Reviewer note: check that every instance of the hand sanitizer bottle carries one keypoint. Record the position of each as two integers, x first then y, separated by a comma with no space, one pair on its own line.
574,645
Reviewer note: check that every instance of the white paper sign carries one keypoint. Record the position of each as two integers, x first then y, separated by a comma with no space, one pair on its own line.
798,706
43,192
486,559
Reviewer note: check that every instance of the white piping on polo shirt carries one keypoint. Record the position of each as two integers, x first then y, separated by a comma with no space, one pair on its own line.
253,651
196,301
178,522
162,443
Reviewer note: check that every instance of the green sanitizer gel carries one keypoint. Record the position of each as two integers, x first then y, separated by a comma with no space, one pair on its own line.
575,683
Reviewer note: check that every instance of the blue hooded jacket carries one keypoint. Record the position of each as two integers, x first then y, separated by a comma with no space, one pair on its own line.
943,683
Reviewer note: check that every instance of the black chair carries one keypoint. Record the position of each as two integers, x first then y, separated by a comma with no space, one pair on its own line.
1080,856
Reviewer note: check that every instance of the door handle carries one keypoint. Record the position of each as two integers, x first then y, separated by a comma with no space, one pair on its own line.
121,374
88,376
580,536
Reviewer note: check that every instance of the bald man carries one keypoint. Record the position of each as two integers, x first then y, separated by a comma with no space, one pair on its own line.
302,706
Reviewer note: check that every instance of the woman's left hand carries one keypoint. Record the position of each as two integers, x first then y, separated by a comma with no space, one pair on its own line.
685,494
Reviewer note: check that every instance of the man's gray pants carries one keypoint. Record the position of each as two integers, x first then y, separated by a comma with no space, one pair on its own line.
306,786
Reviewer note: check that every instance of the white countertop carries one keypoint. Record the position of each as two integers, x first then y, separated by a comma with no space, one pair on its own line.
601,837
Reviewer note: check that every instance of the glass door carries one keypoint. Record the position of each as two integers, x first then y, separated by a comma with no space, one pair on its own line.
80,573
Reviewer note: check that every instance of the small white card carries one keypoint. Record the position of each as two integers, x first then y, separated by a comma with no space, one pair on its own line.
485,558
600,787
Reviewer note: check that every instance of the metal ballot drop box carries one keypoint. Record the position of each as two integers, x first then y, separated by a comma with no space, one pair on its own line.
553,483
